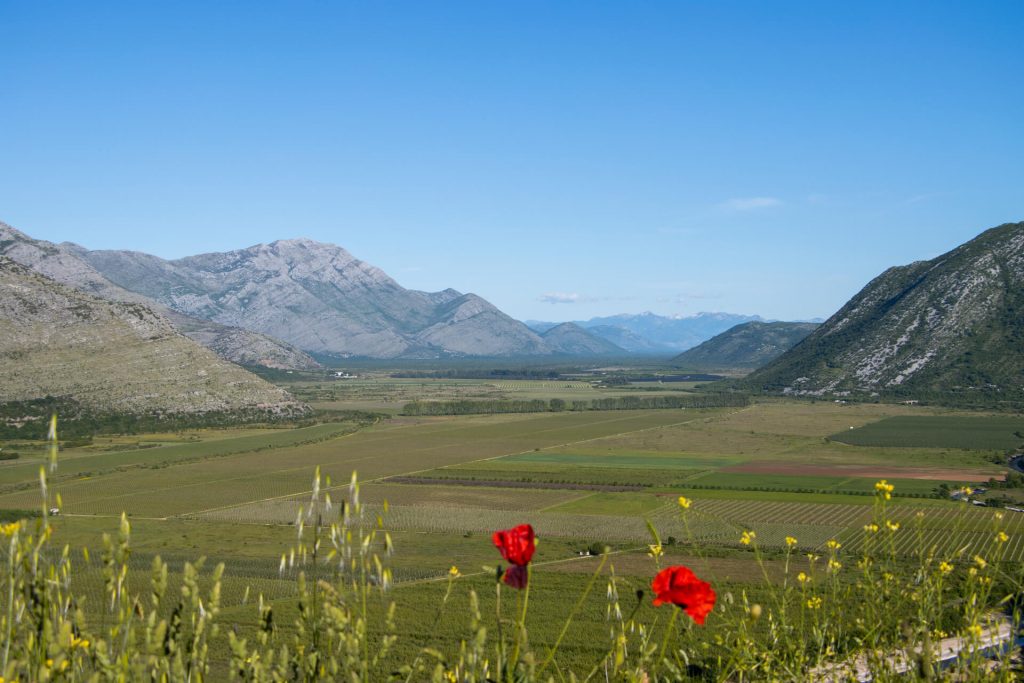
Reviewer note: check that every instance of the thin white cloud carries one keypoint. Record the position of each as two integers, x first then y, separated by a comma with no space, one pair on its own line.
918,198
560,298
750,203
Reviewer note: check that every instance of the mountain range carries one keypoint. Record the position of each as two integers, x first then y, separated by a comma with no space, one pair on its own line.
952,324
648,333
274,304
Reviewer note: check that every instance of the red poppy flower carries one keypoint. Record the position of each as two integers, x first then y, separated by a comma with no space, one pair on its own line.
679,586
516,546
516,576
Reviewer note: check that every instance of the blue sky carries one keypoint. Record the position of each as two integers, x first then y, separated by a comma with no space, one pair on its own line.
561,159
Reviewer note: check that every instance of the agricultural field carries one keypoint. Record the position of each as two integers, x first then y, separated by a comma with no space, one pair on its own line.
442,485
939,431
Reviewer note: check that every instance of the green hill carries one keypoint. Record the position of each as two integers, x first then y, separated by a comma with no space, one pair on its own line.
744,347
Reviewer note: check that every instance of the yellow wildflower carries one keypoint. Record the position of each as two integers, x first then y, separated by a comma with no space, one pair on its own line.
885,489
871,528
656,550
790,541
802,578
973,571
945,567
834,566
980,561
892,526
454,572
685,502
833,544
747,537
974,630
1001,537
814,603
10,529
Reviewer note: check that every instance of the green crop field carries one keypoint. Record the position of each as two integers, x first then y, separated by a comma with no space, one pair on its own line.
802,483
939,431
627,460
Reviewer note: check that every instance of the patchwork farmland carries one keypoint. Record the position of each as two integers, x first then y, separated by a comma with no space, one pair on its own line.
584,480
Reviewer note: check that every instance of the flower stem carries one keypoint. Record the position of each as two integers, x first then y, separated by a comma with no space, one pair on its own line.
668,632
521,623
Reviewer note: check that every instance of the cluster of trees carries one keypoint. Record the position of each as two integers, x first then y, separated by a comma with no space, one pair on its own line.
557,405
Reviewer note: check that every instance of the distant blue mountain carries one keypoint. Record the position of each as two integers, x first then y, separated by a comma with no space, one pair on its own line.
652,333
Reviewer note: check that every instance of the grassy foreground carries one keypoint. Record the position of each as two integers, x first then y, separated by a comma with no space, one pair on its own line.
813,617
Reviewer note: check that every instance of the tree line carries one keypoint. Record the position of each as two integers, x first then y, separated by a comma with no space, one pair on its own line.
557,405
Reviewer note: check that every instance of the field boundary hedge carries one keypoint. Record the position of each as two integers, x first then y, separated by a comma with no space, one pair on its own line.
557,405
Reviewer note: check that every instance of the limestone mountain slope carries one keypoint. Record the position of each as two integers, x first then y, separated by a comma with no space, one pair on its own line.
744,347
64,263
243,347
951,324
320,298
113,357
